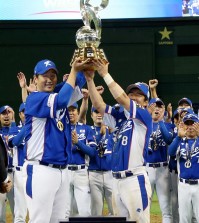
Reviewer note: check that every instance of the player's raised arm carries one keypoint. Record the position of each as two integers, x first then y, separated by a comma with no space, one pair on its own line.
84,106
153,85
95,96
22,83
77,65
115,89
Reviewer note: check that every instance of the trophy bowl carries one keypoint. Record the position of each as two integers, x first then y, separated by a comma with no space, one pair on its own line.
86,36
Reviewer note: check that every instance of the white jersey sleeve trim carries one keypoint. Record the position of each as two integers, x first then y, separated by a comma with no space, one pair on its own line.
132,109
76,96
50,103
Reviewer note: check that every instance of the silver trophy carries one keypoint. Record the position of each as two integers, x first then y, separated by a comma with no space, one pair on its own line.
88,39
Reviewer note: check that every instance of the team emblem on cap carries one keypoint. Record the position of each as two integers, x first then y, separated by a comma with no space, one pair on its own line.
47,63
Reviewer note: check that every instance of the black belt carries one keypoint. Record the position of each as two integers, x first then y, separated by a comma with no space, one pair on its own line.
76,167
10,170
120,175
18,168
57,166
155,165
98,170
189,181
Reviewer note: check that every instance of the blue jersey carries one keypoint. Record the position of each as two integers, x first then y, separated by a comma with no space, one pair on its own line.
85,136
48,130
98,162
131,140
188,158
18,151
158,143
113,117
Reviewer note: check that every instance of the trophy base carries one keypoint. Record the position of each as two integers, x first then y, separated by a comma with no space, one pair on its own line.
89,52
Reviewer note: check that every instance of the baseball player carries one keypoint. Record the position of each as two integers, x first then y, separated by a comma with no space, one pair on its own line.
16,141
7,120
178,114
48,143
100,176
157,158
78,183
185,147
131,186
184,103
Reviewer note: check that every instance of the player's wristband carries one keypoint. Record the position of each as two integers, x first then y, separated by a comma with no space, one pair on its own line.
116,91
108,79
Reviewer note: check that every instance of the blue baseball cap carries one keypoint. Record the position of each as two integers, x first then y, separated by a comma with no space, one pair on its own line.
187,110
75,105
180,110
43,66
22,107
190,117
144,88
3,108
186,100
158,101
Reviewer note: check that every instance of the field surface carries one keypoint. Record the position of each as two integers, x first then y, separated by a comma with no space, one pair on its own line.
155,212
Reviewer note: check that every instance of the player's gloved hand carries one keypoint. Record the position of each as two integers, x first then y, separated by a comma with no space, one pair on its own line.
6,187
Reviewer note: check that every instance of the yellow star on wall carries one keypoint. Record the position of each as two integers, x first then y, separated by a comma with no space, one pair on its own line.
165,33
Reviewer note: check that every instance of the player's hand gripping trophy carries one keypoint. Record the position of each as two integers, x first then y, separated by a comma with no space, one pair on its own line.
88,39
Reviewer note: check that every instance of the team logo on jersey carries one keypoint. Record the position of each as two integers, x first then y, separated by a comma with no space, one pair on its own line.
126,126
194,152
81,136
156,140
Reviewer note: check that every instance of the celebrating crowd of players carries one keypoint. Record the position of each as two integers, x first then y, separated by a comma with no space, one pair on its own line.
58,161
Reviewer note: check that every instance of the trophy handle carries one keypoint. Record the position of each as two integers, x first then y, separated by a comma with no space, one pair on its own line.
89,13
